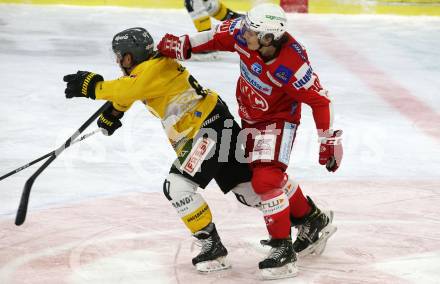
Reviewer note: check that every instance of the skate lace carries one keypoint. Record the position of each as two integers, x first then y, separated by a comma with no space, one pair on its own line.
276,252
204,244
304,232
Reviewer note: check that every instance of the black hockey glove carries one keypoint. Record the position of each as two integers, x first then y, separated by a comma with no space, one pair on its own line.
81,84
109,121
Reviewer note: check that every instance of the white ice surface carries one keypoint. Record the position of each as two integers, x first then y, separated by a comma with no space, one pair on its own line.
97,214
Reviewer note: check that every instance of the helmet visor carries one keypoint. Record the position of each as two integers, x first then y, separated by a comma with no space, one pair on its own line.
247,27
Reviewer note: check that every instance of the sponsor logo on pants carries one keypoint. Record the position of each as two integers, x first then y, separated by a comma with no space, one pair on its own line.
198,154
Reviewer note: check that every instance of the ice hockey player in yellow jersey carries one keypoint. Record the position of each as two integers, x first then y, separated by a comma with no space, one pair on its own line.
201,12
195,120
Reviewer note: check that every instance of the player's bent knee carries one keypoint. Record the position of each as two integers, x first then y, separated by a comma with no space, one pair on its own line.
265,179
190,205
174,186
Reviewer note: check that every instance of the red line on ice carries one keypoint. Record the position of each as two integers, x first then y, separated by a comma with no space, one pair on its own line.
390,90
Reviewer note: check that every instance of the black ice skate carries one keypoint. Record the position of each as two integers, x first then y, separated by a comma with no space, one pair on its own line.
212,256
314,231
281,261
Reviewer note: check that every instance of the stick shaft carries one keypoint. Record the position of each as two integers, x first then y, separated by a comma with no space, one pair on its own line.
24,201
85,136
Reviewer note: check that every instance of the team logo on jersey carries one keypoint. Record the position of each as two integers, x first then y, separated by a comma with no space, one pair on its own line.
254,80
259,102
304,76
299,49
256,68
283,73
255,100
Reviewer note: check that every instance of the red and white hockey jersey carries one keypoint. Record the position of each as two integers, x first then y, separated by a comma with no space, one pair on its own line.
274,90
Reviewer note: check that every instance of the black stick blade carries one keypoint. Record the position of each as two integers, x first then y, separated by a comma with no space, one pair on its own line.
23,207
24,201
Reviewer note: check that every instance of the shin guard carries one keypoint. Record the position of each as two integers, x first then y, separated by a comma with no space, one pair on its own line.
190,205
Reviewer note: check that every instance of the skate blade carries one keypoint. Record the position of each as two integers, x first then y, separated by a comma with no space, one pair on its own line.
330,214
213,265
318,247
287,271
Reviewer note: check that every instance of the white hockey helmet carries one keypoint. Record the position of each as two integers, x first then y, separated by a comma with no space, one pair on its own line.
266,19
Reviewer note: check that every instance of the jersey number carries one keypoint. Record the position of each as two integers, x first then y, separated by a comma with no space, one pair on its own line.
196,86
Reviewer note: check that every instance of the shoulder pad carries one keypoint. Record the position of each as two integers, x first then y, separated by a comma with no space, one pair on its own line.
229,26
299,49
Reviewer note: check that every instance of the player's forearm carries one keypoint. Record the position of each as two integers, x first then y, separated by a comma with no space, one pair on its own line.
203,41
323,117
103,92
209,41
321,106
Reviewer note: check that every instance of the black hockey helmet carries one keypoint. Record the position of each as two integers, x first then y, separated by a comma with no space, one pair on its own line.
136,41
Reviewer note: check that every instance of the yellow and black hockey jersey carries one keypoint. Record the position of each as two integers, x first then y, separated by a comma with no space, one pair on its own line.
169,92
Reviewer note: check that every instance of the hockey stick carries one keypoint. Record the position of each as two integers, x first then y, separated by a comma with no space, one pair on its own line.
24,201
85,136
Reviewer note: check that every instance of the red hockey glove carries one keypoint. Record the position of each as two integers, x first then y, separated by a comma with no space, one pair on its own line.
330,151
175,47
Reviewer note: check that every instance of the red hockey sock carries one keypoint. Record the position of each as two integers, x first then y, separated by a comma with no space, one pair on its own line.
299,206
275,207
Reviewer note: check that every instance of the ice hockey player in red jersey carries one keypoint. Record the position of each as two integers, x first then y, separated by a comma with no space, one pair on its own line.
276,79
